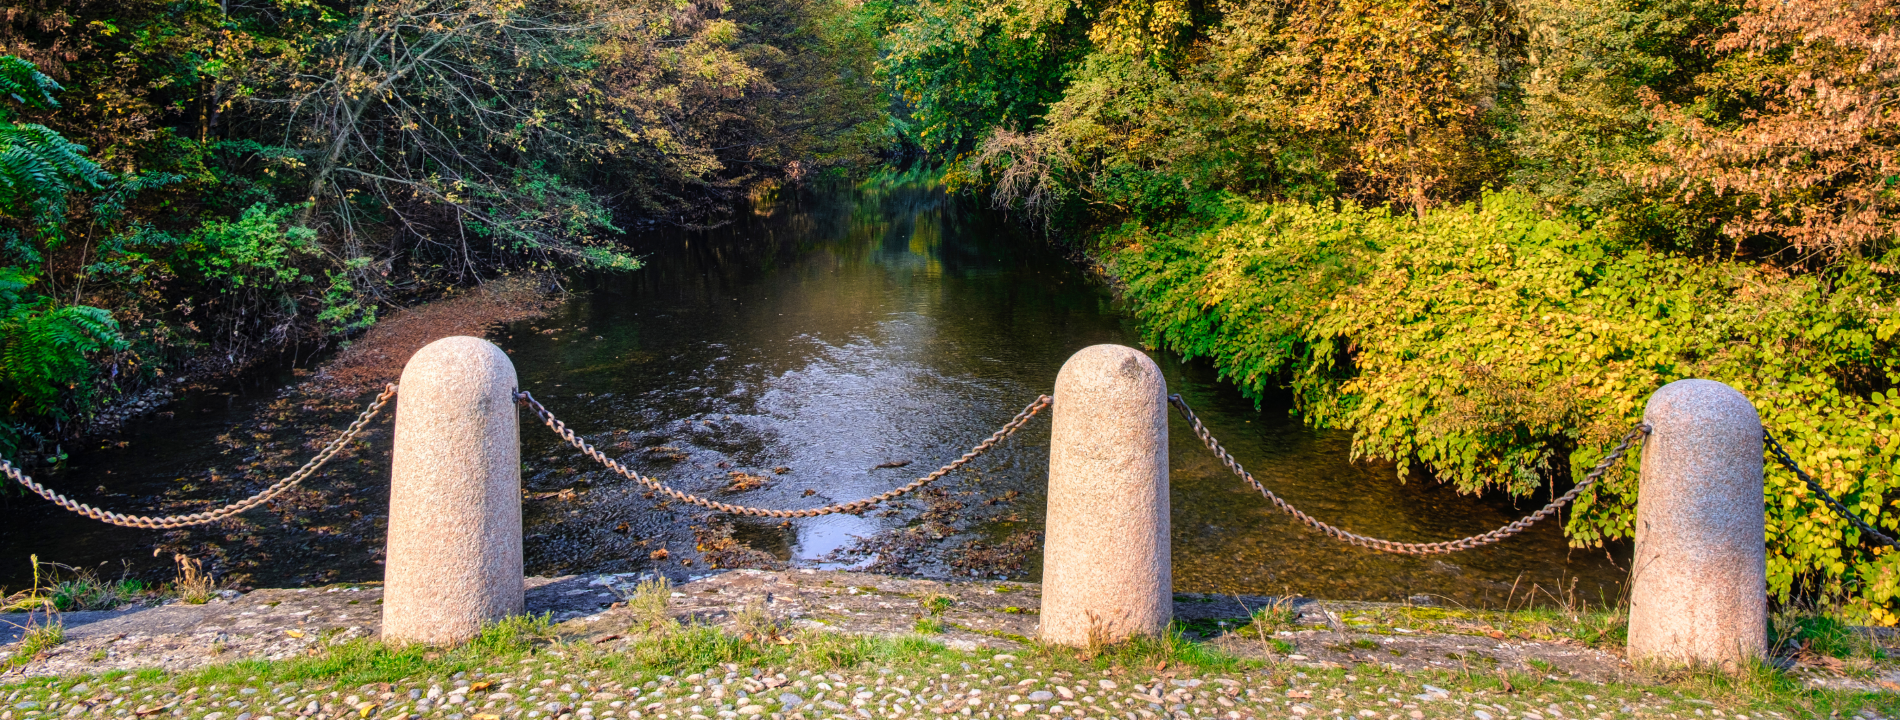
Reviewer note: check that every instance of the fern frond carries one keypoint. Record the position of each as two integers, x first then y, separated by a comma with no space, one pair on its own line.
26,85
43,350
39,168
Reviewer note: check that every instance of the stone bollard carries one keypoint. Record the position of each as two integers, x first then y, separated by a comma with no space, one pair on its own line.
1106,573
1699,578
454,560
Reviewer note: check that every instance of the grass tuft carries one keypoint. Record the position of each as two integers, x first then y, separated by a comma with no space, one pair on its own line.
194,586
37,640
64,588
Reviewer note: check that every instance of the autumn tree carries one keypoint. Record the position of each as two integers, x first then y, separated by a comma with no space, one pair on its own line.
1796,134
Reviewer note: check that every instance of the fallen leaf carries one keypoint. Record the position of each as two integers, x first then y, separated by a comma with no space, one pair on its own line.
743,481
294,633
365,709
483,685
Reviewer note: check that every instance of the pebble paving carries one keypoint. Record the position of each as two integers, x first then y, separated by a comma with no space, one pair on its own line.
548,687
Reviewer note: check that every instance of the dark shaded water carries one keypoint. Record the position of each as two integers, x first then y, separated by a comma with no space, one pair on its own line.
824,339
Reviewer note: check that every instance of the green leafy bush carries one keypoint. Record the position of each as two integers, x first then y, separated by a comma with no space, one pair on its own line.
1494,348
962,67
257,250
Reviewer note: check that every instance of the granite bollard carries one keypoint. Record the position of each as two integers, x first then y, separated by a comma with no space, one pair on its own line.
454,557
1698,581
1106,572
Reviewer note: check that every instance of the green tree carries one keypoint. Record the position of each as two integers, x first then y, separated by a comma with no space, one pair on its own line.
962,67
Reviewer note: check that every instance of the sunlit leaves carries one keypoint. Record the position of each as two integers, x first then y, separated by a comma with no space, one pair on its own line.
965,66
1386,93
1492,347
1797,139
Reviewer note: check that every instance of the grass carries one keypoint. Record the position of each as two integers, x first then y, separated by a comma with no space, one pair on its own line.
936,603
1596,627
64,588
1819,632
38,639
659,649
194,586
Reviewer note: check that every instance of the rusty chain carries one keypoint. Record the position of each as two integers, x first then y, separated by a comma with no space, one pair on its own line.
566,433
210,516
1782,456
1381,545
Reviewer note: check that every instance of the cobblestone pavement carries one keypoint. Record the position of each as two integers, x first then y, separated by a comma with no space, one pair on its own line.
558,685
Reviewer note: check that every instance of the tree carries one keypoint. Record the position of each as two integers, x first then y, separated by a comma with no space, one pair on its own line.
1389,94
1795,133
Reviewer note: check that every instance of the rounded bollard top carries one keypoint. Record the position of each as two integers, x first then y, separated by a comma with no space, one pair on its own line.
459,355
1704,404
1110,362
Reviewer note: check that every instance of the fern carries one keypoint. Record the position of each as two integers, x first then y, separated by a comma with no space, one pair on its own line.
39,168
25,83
45,370
43,348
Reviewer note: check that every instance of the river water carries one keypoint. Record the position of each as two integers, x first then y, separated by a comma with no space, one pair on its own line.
806,345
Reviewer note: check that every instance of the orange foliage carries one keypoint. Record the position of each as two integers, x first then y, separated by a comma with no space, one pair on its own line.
1812,160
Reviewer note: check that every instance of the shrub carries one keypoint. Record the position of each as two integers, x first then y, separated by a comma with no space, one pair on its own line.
1494,348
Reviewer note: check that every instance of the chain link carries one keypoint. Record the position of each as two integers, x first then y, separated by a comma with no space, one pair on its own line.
1437,548
561,429
1782,456
211,516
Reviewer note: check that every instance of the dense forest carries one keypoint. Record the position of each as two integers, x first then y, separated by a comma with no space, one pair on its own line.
1474,233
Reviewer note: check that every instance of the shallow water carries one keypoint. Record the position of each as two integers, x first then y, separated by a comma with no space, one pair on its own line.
837,334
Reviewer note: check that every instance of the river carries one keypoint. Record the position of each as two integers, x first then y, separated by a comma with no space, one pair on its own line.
807,344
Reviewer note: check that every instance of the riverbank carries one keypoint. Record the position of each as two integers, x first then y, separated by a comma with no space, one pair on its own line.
379,355
885,647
